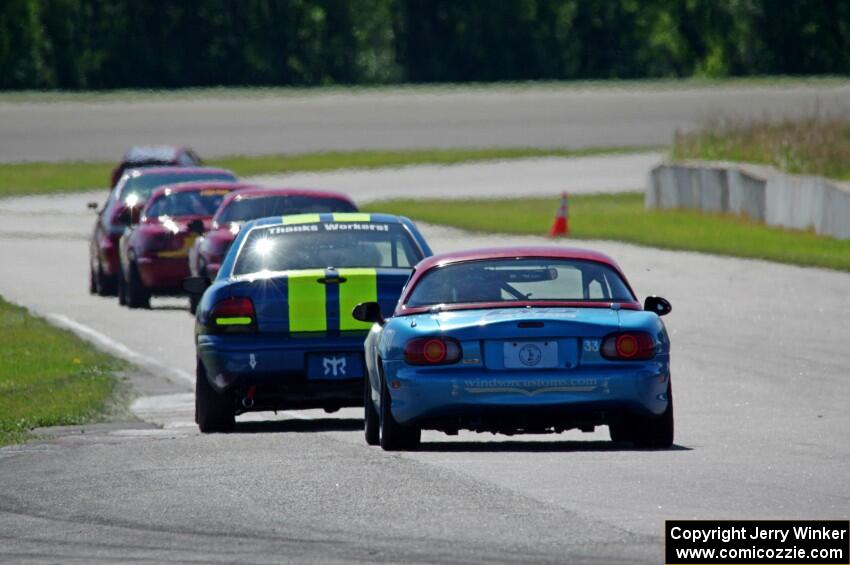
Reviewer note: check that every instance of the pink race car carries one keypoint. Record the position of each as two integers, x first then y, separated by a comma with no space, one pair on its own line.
122,209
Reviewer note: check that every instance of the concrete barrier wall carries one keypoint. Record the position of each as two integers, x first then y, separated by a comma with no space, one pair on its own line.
711,189
746,194
761,193
837,212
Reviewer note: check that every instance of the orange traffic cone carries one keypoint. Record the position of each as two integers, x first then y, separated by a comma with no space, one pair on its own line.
561,226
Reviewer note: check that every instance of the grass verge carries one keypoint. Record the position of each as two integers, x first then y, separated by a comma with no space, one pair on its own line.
49,178
48,376
622,217
815,145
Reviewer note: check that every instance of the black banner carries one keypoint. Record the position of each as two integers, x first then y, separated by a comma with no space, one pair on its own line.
757,542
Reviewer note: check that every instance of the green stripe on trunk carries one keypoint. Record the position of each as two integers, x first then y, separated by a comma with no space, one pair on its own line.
307,312
300,219
351,217
361,285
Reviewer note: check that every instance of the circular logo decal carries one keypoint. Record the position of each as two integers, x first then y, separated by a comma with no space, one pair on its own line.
530,355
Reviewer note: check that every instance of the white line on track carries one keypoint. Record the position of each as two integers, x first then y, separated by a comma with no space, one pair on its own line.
117,347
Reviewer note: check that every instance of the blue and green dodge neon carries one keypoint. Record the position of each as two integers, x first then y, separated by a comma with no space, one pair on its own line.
275,331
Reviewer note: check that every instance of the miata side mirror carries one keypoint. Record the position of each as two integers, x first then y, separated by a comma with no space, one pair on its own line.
660,306
368,312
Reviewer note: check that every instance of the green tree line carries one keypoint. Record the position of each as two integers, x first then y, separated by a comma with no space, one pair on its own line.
104,44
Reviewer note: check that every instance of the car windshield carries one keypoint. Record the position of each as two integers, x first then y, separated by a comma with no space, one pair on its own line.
526,279
187,203
326,244
244,209
138,189
162,153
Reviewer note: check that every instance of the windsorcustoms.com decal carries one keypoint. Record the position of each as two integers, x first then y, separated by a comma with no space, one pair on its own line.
529,387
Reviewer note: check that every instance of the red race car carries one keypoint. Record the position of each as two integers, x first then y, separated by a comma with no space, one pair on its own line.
122,208
153,253
208,251
155,156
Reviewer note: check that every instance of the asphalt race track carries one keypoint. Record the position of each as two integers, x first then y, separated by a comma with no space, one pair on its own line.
533,116
760,367
487,179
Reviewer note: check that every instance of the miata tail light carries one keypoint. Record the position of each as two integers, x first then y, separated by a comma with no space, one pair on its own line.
628,346
432,351
233,315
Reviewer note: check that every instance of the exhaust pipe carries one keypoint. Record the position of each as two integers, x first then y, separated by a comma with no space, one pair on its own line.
248,400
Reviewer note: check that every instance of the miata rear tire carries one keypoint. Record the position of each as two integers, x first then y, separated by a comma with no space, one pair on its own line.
104,285
92,281
370,416
137,295
657,432
194,300
647,432
121,288
392,435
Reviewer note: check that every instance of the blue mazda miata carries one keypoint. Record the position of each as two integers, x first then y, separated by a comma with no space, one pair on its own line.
518,340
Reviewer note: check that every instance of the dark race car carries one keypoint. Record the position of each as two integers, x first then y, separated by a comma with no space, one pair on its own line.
123,207
142,156
275,329
249,204
154,254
